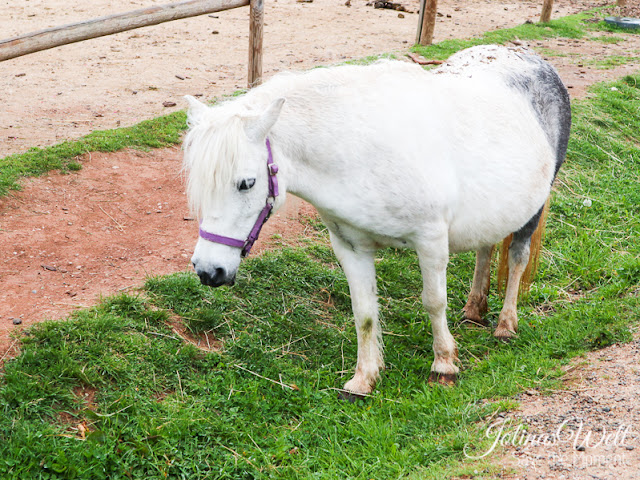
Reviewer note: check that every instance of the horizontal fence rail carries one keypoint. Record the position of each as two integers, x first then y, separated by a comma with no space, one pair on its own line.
99,27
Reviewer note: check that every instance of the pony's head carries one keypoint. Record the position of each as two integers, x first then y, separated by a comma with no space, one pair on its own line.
225,155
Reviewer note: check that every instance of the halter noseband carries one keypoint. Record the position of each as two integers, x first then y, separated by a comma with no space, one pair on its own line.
246,245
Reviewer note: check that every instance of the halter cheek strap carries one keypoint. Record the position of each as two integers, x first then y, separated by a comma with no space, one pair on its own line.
245,245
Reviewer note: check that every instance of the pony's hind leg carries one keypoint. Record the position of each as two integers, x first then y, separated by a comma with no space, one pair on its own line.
433,258
519,253
508,320
359,268
476,306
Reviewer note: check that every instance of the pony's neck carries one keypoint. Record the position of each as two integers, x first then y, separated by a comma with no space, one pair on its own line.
292,157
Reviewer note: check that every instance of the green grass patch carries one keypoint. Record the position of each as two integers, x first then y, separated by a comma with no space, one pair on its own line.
371,59
573,26
581,25
114,393
610,61
159,132
608,40
550,52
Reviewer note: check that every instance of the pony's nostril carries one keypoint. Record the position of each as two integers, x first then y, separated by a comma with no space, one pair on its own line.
215,279
205,278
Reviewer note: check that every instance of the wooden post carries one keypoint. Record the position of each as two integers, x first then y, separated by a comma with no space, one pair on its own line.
427,21
256,24
545,16
420,20
98,27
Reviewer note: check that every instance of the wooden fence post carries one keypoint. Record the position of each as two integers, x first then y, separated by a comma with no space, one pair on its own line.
545,16
420,20
256,23
427,21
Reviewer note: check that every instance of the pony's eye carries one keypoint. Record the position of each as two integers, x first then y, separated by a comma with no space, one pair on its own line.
246,184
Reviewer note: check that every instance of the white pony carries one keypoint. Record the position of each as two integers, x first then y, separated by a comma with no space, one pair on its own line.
450,160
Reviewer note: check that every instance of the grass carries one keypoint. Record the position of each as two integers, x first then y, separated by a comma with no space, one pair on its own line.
581,25
549,52
114,392
608,39
159,132
610,61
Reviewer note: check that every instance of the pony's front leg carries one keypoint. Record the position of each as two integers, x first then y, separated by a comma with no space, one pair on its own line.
359,269
433,258
476,306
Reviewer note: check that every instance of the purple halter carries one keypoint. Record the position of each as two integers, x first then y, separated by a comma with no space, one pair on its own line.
246,245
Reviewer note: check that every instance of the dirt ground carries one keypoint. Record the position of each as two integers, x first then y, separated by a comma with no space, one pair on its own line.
66,240
631,10
67,92
587,430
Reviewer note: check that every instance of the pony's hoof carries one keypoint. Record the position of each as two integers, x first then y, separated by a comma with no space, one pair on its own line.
503,335
474,311
350,397
446,379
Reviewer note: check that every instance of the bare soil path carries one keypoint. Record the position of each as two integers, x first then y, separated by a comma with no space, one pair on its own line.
587,430
66,240
67,92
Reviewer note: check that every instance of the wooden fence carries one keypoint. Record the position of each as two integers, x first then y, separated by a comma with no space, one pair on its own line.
99,27
428,12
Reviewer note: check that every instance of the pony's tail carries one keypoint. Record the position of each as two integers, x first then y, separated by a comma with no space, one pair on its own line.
534,255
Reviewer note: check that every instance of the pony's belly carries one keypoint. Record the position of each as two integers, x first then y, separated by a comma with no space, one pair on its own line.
487,210
371,237
466,243
488,227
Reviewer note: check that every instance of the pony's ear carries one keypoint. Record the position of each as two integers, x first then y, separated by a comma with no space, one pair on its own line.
196,110
258,127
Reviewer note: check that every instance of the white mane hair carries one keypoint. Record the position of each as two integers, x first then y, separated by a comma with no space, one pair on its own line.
323,79
213,146
213,154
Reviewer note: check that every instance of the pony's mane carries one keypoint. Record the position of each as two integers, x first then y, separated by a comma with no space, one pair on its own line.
213,154
321,79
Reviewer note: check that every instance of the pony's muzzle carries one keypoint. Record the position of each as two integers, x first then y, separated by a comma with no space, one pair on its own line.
216,278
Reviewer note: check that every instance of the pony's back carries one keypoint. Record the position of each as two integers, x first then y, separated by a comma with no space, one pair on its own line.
523,70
